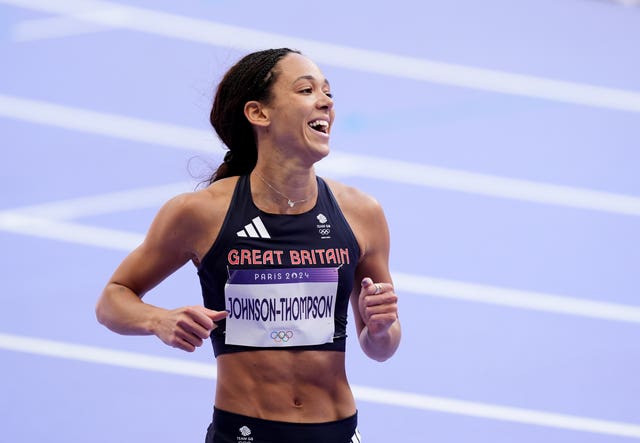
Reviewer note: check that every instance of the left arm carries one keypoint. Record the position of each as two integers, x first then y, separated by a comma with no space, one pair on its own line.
373,299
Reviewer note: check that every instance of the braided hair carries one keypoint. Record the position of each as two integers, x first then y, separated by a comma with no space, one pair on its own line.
249,79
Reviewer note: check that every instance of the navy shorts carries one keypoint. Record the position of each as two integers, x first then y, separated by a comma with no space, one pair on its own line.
227,427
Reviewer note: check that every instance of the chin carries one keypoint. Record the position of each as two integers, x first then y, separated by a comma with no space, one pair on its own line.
324,151
316,154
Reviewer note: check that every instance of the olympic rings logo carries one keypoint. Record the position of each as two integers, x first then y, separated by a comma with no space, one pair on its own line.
324,231
281,336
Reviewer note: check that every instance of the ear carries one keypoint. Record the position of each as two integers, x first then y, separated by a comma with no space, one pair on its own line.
255,113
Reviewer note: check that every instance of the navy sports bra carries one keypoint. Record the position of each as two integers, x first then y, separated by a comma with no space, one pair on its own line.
284,279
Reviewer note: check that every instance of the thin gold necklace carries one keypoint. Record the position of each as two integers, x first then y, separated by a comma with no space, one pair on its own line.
290,202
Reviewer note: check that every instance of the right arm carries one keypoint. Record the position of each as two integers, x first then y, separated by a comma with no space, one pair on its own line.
176,236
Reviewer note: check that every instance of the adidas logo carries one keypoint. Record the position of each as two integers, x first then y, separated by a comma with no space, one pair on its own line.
255,229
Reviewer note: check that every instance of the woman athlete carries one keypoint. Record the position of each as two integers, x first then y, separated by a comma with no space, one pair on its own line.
280,254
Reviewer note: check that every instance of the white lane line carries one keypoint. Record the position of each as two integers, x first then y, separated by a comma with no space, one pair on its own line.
483,184
537,301
386,397
337,163
496,412
69,232
627,3
246,39
93,354
56,27
132,199
416,284
112,125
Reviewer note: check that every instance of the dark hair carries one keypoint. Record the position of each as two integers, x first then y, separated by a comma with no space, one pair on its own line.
251,78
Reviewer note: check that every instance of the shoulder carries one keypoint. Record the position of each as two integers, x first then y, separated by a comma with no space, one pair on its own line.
201,204
354,202
365,217
192,218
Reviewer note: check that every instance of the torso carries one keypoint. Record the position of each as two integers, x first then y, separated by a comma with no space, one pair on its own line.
297,385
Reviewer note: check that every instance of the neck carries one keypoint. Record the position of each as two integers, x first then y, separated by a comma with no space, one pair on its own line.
284,190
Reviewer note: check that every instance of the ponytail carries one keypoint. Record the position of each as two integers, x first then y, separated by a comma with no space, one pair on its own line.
251,78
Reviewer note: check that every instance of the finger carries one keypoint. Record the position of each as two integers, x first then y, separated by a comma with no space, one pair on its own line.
196,330
382,319
188,342
366,282
207,317
372,311
386,297
380,324
193,325
385,317
370,287
199,315
185,346
180,343
216,315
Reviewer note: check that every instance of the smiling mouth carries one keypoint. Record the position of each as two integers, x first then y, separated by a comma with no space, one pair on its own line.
321,126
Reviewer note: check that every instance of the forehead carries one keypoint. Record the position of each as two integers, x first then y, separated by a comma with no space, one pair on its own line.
294,66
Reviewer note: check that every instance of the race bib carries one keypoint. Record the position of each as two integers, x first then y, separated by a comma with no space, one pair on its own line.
281,307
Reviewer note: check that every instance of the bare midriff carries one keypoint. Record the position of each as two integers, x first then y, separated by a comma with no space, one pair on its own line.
292,386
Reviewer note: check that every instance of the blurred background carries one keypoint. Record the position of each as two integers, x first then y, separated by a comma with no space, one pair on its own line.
500,137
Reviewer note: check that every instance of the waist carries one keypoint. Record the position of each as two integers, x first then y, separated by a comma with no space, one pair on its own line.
297,386
231,425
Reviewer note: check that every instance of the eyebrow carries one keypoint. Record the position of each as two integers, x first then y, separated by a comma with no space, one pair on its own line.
311,78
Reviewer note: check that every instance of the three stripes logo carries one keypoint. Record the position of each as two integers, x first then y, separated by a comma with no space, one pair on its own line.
255,229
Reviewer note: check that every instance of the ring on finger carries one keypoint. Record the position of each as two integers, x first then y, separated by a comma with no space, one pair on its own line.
378,288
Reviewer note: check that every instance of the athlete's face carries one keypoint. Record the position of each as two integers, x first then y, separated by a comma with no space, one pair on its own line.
301,108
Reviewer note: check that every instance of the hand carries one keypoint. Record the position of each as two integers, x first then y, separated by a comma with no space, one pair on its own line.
378,305
186,328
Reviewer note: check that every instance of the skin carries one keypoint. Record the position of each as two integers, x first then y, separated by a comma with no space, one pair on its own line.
293,386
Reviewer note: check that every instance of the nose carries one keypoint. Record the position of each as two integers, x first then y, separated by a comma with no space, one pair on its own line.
325,102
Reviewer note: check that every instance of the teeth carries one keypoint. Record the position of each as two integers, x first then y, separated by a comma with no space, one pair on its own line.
319,123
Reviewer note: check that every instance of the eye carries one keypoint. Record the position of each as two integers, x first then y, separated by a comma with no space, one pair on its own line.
306,90
328,94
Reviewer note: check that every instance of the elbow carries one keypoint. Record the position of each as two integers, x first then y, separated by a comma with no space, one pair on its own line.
101,314
104,308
